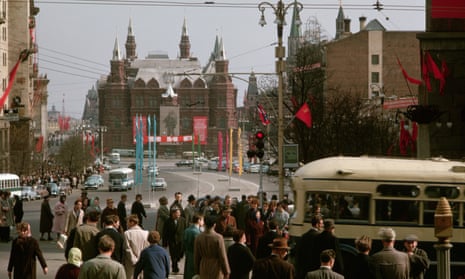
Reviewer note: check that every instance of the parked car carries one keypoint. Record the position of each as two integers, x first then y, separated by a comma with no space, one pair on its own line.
28,193
159,183
93,182
184,163
52,189
153,170
133,166
41,191
255,168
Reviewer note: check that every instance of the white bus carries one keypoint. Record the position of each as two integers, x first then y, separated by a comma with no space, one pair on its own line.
120,179
364,194
10,182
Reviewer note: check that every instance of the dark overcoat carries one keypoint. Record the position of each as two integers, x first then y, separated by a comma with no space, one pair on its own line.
24,252
46,217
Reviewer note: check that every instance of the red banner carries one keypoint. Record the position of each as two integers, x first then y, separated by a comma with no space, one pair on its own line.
448,9
200,129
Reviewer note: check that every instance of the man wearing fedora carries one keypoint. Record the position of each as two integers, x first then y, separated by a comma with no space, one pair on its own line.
274,266
327,259
190,210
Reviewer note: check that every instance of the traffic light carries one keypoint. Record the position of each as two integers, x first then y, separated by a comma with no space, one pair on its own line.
260,144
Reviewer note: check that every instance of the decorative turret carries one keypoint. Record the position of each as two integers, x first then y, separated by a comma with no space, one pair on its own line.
340,22
116,51
221,63
117,74
130,43
184,45
295,36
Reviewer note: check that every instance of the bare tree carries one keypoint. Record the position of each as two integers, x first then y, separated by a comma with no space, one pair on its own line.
74,155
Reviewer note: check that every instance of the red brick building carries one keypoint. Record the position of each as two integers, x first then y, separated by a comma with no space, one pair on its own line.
180,92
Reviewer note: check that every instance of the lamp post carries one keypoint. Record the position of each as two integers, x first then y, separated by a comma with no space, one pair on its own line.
280,10
101,130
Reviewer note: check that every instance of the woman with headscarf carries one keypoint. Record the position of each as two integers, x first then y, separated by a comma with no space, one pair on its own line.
71,269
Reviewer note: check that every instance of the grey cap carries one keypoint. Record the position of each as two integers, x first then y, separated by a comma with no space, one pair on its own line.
411,237
387,234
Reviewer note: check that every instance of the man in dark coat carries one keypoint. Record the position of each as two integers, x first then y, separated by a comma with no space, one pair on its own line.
360,266
240,257
111,229
327,240
24,251
138,209
18,209
173,237
274,266
122,211
264,249
306,246
46,218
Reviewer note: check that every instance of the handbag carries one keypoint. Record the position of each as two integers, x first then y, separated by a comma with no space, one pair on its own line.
61,242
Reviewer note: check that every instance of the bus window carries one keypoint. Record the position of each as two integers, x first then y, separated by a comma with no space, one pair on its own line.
441,191
430,208
337,206
398,190
396,210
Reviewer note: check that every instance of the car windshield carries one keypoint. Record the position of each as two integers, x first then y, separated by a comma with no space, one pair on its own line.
159,179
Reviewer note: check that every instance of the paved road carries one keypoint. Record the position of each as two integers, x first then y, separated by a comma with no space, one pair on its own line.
179,179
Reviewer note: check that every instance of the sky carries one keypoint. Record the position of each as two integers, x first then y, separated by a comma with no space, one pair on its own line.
76,37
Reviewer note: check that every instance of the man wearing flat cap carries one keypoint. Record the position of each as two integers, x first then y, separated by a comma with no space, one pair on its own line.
274,266
390,263
419,261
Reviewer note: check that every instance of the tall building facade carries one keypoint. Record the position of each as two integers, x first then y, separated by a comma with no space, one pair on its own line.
184,97
23,115
366,62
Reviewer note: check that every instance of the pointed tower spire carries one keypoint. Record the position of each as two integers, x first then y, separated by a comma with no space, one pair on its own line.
221,51
130,42
185,45
340,21
116,51
296,22
295,35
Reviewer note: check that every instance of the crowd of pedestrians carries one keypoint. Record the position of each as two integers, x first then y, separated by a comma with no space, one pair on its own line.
216,238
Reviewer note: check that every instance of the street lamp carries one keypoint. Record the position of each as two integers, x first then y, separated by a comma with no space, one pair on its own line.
101,130
280,10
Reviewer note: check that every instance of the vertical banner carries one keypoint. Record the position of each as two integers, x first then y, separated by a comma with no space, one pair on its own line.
220,150
143,131
239,150
200,127
154,142
227,151
231,141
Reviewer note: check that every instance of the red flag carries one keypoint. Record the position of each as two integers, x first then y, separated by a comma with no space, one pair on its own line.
263,116
406,76
305,115
429,66
22,57
220,150
40,142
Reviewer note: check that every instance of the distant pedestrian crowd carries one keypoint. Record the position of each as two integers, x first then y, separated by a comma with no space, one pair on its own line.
216,237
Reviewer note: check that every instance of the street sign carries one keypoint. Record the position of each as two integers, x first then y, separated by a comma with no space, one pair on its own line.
291,155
